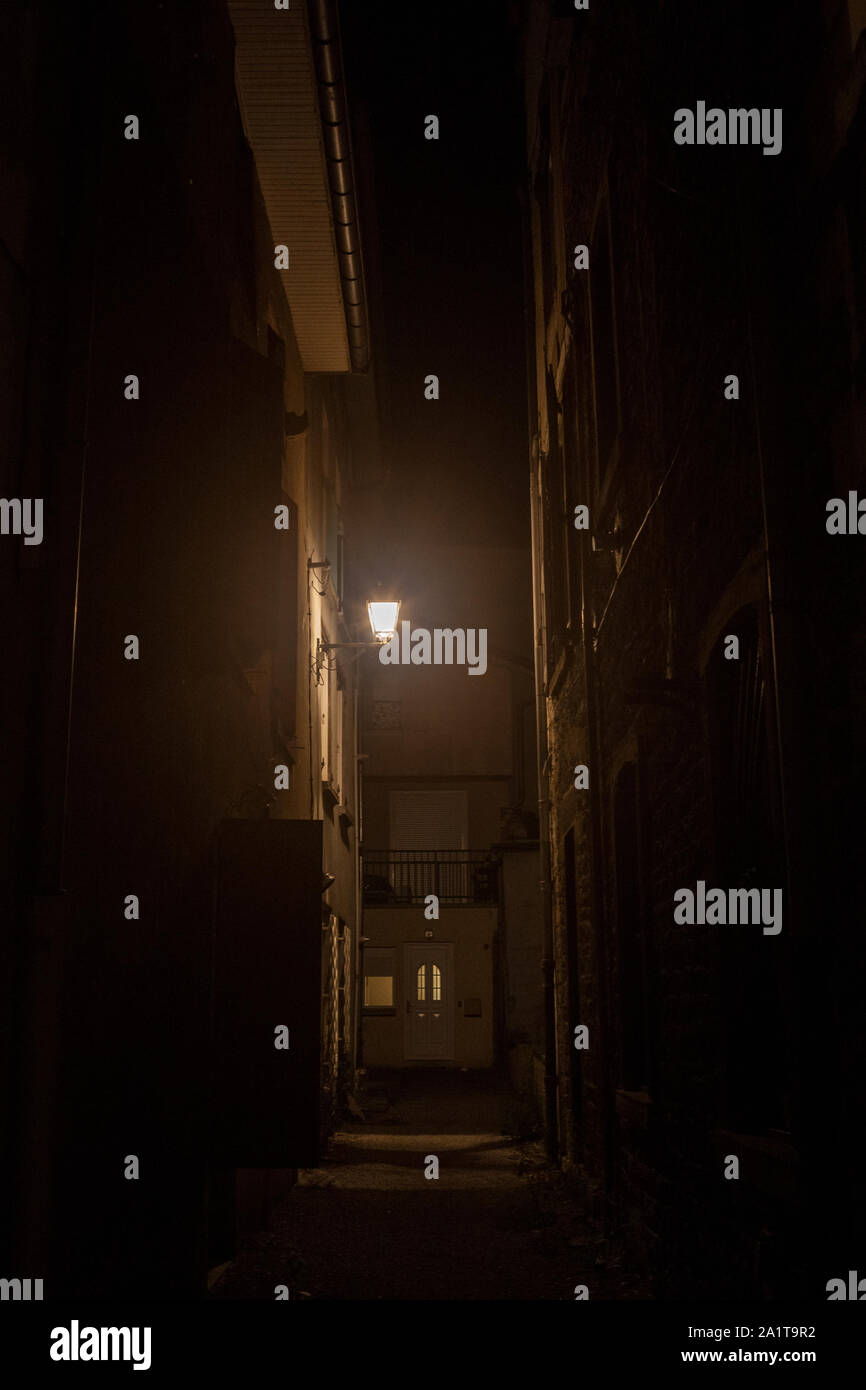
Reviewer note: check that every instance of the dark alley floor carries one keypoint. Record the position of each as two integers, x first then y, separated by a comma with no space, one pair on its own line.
499,1223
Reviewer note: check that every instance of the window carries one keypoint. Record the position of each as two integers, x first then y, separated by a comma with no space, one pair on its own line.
333,541
332,525
332,714
378,979
335,729
429,820
285,658
338,582
435,984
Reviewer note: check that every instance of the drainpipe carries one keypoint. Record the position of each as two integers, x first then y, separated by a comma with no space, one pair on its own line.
359,898
520,752
769,553
551,1115
325,33
551,1127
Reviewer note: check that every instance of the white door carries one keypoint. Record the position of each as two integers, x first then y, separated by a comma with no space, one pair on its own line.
429,987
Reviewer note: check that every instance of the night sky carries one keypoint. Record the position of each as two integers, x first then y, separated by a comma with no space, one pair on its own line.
451,263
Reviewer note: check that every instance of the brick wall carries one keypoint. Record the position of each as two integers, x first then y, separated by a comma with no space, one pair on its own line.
676,550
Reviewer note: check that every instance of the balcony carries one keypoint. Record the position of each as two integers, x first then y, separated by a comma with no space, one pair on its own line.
397,877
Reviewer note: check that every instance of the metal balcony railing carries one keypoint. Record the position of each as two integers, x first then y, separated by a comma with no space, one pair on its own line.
396,877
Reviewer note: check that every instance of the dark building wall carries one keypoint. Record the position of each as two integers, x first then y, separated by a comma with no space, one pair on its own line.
178,547
150,257
48,176
827,364
693,275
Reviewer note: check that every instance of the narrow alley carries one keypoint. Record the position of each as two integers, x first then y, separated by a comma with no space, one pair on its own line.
498,1223
433,679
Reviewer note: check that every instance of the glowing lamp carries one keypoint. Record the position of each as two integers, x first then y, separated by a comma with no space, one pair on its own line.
383,618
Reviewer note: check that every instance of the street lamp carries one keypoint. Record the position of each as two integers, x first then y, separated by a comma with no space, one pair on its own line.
383,618
383,621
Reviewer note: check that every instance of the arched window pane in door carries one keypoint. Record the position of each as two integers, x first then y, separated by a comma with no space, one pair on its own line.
421,983
437,983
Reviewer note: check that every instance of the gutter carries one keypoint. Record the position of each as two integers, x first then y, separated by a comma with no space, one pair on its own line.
327,58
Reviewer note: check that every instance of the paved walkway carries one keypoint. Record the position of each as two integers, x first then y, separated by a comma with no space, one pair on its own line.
498,1223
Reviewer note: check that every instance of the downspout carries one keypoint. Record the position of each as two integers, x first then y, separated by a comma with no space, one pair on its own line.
551,1118
359,900
520,751
595,749
325,33
551,1126
748,283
